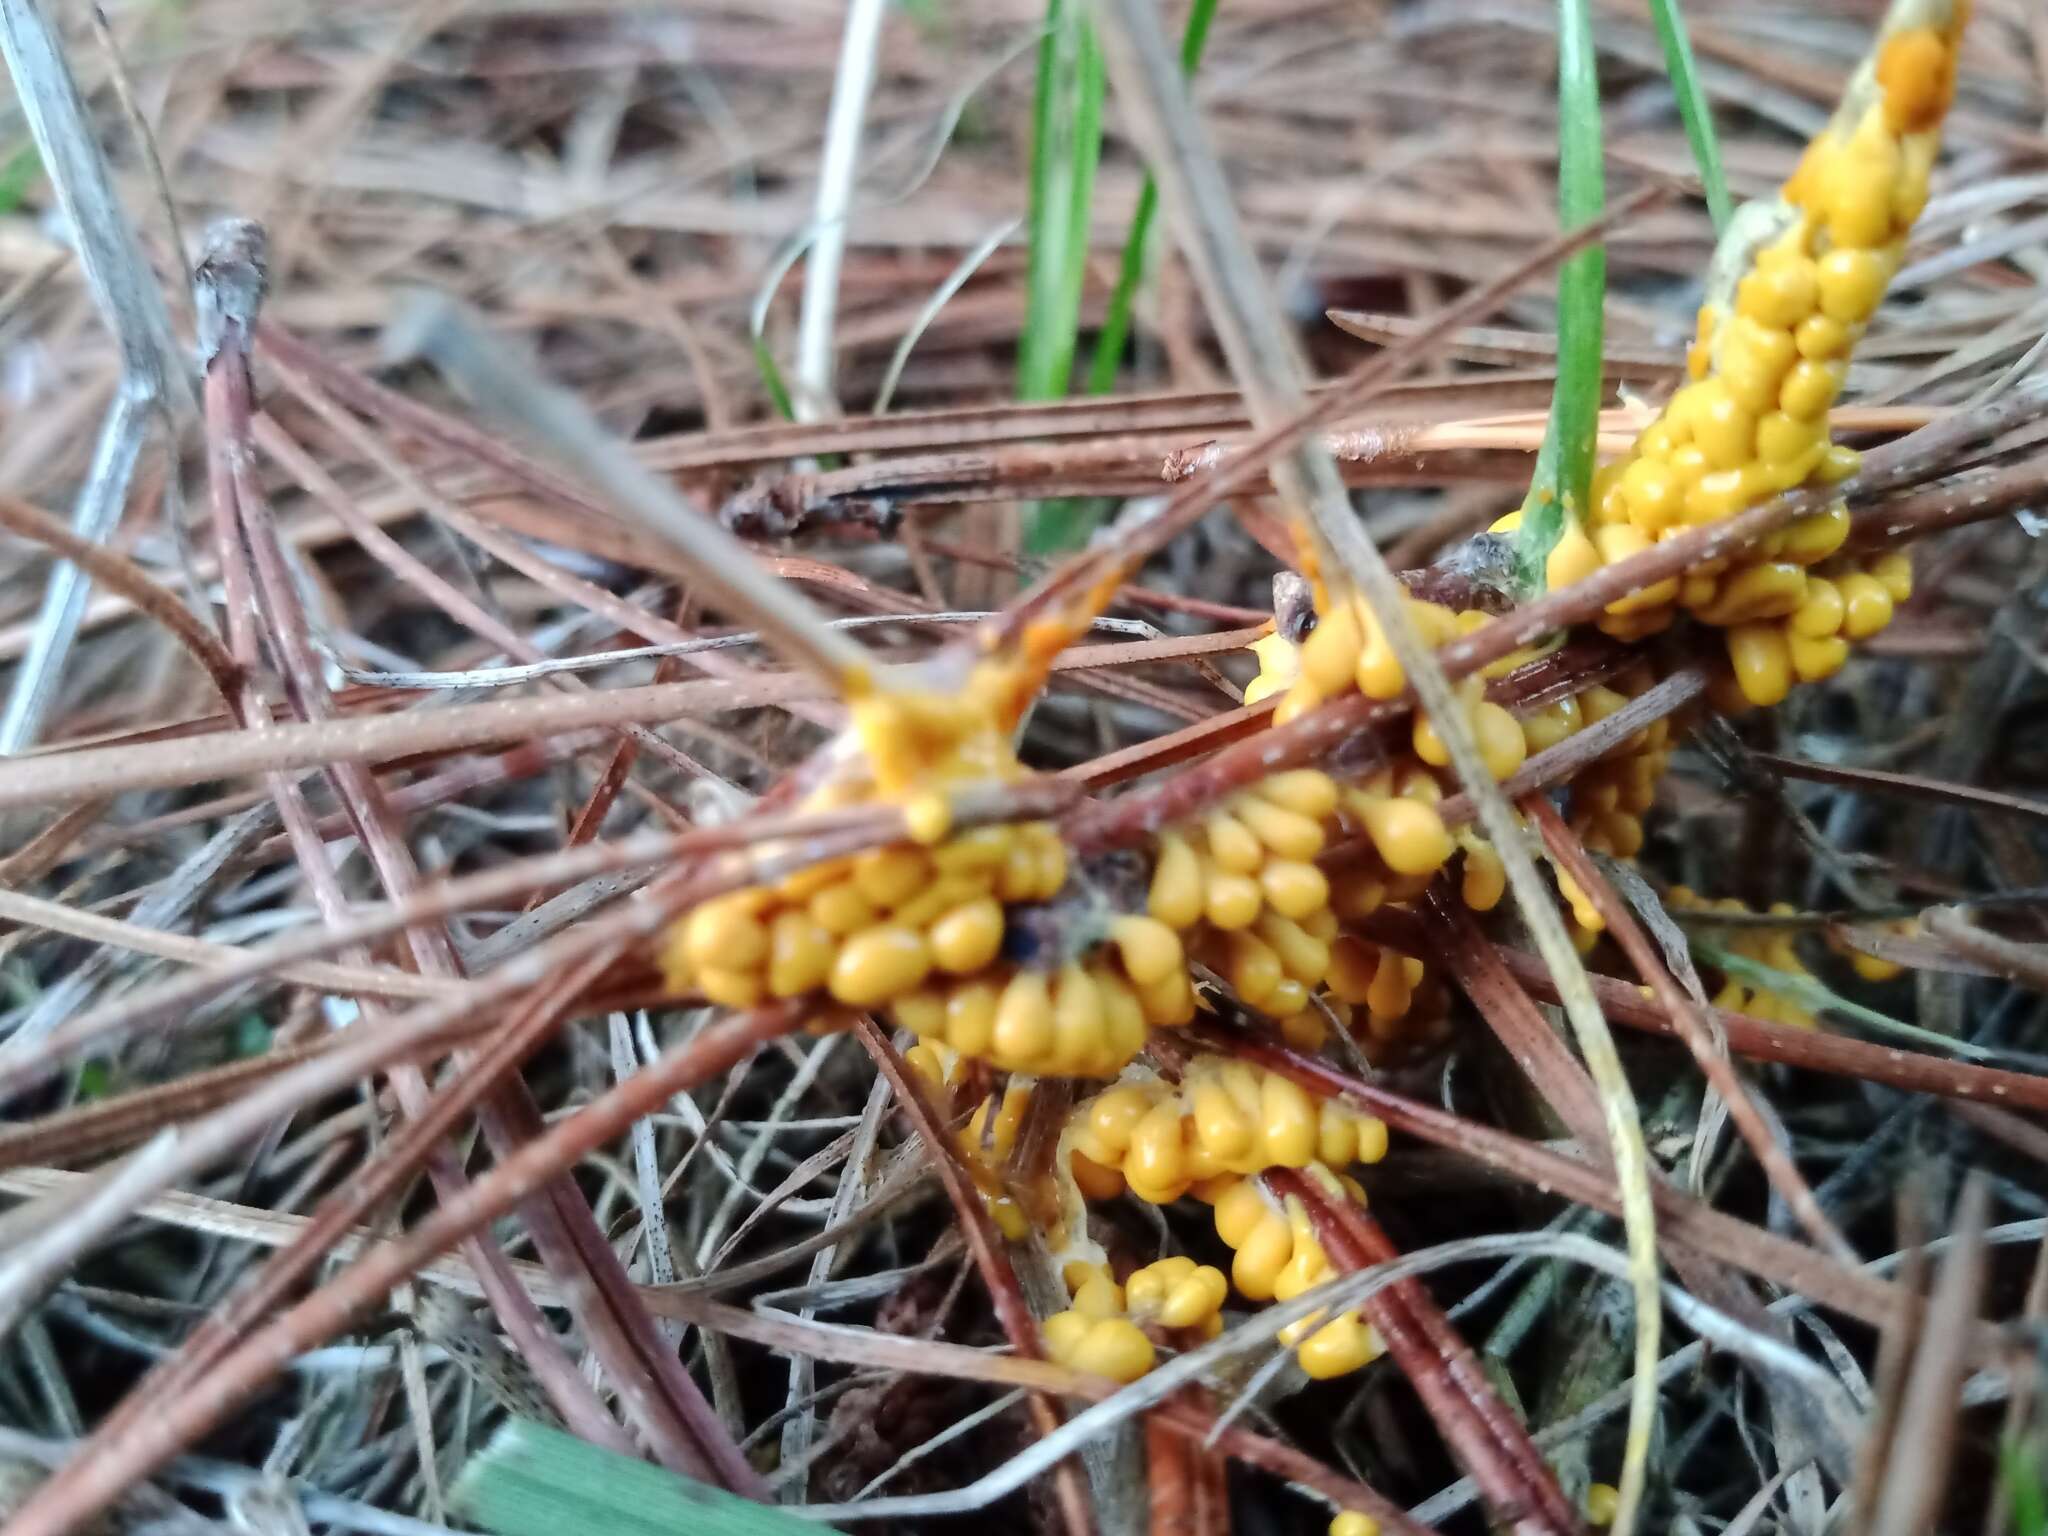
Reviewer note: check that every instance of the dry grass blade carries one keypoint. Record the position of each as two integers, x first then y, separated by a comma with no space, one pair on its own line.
48,1234
438,329
59,1504
1923,1427
57,918
153,375
2026,963
116,574
1906,785
660,1399
90,772
824,1341
1527,1036
1766,1040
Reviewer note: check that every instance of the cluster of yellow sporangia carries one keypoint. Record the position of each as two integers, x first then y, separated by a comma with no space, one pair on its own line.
868,928
1396,808
926,933
919,930
989,1137
1242,884
1774,947
1105,1330
1778,949
1210,1136
1086,1019
1772,349
1771,353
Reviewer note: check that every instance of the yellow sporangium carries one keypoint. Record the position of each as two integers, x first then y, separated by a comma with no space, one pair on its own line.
1279,665
1347,650
1602,1500
1370,976
1255,851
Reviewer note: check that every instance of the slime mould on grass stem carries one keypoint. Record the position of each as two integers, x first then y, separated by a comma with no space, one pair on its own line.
998,950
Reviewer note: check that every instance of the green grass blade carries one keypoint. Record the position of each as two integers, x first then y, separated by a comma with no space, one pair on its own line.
771,380
1057,526
764,356
1064,523
757,328
1116,323
535,1481
1816,996
19,167
2020,1471
1066,142
1090,82
1693,109
1563,480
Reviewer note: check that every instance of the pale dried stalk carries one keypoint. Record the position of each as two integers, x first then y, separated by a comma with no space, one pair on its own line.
836,174
440,330
56,917
153,376
47,1236
1256,337
1915,1476
93,772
